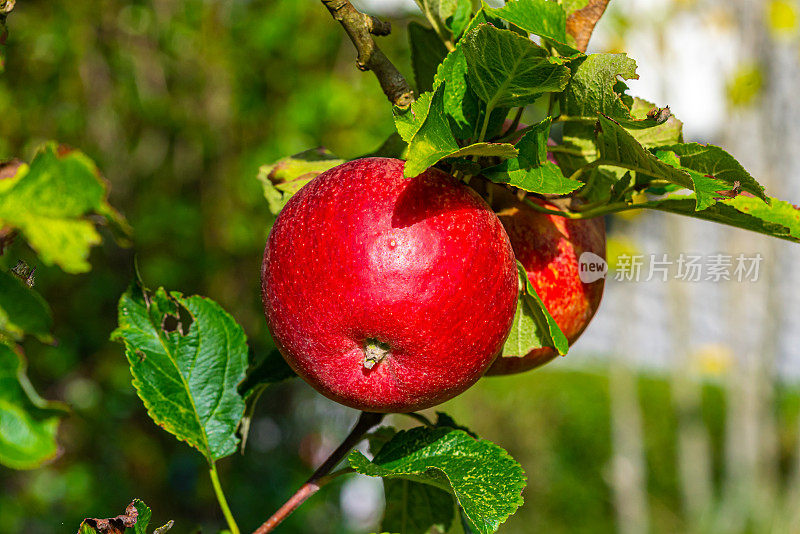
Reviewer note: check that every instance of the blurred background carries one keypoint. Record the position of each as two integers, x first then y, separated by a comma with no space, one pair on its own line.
678,409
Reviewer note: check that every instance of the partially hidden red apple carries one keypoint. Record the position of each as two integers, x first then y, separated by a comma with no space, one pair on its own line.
550,247
388,294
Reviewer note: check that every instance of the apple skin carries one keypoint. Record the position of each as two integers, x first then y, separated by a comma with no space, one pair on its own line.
549,246
422,268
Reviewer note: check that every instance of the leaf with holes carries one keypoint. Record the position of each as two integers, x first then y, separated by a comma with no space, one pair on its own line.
28,423
595,88
187,356
485,481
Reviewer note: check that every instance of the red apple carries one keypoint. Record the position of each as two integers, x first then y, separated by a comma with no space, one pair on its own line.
549,247
388,294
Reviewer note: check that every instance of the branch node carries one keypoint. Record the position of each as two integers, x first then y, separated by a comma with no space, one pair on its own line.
360,28
378,27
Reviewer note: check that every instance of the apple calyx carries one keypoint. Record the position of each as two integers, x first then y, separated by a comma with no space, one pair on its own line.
374,352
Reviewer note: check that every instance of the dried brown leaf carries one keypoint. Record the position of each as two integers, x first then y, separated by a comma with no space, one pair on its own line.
580,23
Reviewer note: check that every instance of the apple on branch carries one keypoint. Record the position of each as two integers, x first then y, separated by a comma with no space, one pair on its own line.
388,294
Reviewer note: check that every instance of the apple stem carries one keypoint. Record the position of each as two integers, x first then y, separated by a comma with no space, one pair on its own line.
374,352
323,475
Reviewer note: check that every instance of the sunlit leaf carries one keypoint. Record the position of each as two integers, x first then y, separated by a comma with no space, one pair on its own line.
666,133
507,70
593,87
777,219
282,179
49,203
544,18
618,146
531,171
187,357
485,481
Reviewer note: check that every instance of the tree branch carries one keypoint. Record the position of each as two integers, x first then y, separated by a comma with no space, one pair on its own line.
360,28
366,421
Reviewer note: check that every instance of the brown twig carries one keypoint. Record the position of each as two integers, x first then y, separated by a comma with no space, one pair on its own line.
366,421
360,28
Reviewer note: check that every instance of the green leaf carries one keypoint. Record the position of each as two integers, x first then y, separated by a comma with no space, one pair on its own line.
713,162
525,332
23,310
282,179
544,18
531,171
426,128
546,179
187,356
416,508
427,131
777,219
508,70
452,15
427,52
593,87
618,147
409,120
461,104
49,203
486,482
500,150
143,519
652,132
28,424
706,188
533,327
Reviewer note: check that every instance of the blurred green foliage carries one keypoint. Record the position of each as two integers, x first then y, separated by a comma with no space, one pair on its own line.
179,103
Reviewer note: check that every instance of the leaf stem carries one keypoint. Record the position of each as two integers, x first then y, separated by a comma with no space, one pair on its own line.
589,166
514,124
223,503
323,475
485,125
